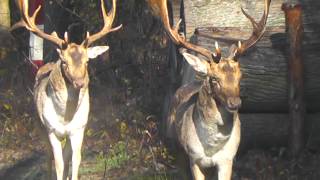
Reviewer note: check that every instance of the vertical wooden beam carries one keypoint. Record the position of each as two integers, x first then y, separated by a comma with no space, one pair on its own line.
297,110
4,14
5,37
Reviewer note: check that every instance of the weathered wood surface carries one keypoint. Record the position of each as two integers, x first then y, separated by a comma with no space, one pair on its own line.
5,37
227,13
272,130
294,31
4,14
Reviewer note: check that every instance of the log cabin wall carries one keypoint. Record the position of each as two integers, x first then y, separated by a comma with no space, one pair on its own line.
264,83
227,13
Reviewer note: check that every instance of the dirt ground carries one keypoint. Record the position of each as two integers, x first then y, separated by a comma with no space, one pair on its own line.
26,161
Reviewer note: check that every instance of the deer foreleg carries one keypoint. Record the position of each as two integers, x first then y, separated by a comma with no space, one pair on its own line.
76,142
57,152
225,170
67,152
196,172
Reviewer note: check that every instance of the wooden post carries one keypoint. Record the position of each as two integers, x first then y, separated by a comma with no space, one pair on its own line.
297,110
4,14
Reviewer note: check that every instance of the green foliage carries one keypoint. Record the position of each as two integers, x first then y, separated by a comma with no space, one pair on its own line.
116,157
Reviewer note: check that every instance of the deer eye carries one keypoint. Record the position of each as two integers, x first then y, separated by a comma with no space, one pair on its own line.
64,64
214,80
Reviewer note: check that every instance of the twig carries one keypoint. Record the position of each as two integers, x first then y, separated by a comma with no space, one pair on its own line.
153,159
27,59
105,169
5,124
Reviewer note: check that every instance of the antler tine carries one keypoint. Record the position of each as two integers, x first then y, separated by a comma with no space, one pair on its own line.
174,34
29,23
108,20
258,28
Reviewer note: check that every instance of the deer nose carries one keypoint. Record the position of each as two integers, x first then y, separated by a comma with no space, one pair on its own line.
234,103
79,83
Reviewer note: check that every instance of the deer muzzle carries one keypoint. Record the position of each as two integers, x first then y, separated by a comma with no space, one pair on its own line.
233,103
78,83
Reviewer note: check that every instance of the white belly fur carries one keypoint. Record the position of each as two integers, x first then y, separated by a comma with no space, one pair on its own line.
195,150
54,121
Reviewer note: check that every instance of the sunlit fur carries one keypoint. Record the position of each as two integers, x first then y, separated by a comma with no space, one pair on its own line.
74,63
224,80
208,126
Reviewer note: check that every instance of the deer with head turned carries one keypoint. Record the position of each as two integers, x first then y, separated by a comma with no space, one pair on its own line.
204,112
61,92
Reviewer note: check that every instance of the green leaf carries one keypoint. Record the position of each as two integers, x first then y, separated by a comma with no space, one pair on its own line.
7,106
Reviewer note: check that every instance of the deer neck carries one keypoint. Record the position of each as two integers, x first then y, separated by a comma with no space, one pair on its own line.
65,97
211,111
212,121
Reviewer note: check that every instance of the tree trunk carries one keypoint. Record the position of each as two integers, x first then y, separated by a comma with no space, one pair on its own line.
294,31
7,45
4,14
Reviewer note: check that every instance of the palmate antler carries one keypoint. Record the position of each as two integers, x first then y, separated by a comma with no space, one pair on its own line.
258,30
29,23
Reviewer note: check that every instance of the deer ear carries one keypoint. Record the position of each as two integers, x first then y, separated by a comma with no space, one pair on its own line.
93,52
59,51
196,63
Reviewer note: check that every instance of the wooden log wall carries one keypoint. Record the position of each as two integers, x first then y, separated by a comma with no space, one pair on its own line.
265,68
265,130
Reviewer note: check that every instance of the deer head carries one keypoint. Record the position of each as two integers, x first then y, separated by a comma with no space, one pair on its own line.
222,74
74,57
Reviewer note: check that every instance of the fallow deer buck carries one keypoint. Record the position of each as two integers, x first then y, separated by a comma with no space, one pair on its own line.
61,92
208,125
